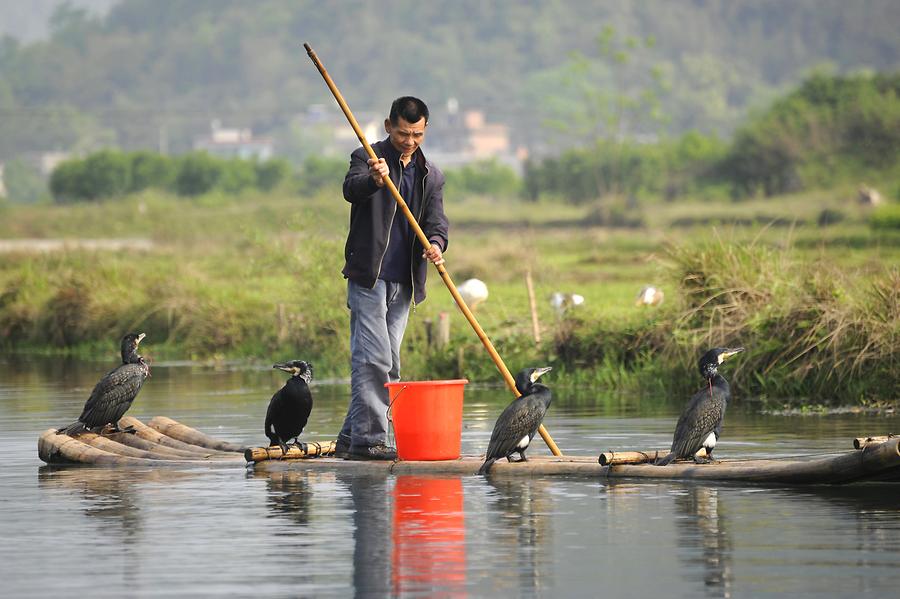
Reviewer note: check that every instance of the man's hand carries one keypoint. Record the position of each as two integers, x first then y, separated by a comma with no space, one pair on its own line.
434,254
378,170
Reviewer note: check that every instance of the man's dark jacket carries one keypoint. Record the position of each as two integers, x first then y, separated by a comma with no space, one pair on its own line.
373,209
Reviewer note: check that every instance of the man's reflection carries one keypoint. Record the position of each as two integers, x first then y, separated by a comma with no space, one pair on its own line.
370,494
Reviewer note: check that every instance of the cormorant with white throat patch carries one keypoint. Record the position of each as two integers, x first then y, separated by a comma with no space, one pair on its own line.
701,422
291,405
518,423
112,396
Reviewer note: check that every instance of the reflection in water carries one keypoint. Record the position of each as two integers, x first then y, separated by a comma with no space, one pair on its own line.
522,508
371,533
429,536
703,533
409,540
288,494
110,498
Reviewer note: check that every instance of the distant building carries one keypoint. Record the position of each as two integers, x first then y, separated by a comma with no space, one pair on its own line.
485,140
48,161
234,143
467,136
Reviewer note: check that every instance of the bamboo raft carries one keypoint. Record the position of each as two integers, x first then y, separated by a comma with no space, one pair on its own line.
161,442
165,442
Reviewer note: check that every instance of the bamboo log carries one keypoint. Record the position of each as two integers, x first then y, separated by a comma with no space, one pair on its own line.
861,442
132,440
611,458
157,452
54,448
145,432
467,465
866,464
307,450
180,432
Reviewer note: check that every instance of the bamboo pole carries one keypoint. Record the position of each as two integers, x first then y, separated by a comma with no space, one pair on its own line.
504,371
861,442
307,450
611,458
870,463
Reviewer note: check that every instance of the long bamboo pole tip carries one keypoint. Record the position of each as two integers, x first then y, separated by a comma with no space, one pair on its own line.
309,49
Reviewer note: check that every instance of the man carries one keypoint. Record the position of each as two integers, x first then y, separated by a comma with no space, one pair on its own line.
386,268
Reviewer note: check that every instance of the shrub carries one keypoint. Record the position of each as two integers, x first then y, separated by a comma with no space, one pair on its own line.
197,173
271,173
107,174
67,182
886,217
488,177
149,169
318,172
236,175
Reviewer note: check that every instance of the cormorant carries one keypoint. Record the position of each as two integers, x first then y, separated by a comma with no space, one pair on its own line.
289,408
701,422
112,396
520,420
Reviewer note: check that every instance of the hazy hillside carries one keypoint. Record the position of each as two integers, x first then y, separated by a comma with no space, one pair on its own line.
28,20
155,70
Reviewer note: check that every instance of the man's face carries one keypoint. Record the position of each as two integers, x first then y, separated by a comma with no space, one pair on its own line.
405,136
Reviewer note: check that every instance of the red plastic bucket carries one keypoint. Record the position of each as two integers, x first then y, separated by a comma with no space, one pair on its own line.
427,417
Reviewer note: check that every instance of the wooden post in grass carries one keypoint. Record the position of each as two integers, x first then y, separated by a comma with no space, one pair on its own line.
535,325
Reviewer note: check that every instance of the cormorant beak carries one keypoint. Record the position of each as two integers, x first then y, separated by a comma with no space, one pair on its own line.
140,338
539,372
286,366
729,352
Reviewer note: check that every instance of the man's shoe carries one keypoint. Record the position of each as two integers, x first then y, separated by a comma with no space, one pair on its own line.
341,448
374,452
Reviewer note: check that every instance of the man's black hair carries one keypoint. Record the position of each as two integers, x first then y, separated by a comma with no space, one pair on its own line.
411,109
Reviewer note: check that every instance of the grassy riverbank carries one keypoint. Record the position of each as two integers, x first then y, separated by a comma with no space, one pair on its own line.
258,277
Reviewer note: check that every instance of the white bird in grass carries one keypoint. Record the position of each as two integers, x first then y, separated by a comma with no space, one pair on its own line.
562,302
473,291
649,296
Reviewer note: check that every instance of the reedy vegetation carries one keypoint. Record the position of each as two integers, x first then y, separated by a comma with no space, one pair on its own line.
257,276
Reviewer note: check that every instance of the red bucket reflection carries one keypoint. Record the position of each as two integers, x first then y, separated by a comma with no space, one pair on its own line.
429,536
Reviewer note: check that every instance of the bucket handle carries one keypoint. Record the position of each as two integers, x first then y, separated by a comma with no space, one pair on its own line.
390,419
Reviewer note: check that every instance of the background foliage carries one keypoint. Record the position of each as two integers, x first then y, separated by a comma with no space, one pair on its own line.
152,70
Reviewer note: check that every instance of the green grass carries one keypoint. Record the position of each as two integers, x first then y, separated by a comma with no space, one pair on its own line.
258,277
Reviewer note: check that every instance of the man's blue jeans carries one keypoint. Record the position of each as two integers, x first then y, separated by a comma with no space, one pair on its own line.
378,318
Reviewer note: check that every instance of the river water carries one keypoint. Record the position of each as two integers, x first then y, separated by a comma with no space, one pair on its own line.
119,532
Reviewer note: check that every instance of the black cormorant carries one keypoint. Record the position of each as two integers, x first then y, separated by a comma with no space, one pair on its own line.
520,420
113,395
289,408
701,422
